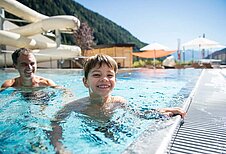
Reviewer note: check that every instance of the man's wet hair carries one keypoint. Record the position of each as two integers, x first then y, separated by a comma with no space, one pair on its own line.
17,53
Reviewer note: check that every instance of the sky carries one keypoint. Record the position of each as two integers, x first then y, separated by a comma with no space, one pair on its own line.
165,21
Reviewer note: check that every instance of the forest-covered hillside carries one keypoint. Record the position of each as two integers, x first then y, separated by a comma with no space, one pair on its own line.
104,30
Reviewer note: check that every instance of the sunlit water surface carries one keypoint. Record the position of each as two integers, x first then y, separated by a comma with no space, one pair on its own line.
26,115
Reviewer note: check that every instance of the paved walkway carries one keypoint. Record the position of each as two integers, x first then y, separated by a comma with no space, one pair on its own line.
204,128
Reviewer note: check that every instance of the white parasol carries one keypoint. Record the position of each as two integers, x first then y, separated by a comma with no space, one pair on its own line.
157,48
202,44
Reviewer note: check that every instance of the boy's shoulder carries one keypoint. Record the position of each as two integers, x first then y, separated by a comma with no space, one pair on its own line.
78,103
117,102
118,99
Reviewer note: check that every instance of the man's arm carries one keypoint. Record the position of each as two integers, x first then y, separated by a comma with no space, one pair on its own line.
50,82
44,81
8,83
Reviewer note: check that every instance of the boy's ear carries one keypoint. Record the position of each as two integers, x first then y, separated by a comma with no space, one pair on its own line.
85,82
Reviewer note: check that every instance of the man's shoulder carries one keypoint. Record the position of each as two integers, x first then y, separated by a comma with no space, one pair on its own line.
8,83
45,81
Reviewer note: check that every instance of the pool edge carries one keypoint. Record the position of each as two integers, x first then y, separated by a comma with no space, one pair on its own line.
148,144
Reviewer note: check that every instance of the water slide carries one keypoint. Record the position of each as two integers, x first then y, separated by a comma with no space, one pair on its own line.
30,35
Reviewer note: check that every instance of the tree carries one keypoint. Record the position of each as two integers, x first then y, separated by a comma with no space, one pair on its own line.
84,37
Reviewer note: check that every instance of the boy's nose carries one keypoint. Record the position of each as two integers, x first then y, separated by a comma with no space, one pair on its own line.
104,79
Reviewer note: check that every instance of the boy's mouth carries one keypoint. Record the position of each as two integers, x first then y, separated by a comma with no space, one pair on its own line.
103,86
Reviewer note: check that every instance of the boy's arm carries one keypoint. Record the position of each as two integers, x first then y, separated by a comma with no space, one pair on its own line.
55,135
158,113
173,111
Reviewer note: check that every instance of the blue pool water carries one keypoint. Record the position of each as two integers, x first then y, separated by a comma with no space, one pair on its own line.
26,116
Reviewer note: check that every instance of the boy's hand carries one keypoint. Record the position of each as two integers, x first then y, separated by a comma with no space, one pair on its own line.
173,111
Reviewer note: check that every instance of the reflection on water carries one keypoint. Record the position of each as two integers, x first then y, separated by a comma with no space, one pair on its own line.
26,114
25,118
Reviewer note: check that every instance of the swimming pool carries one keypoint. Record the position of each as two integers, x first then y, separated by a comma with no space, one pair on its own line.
26,116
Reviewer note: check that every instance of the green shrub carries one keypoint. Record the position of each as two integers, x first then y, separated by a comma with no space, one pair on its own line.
144,63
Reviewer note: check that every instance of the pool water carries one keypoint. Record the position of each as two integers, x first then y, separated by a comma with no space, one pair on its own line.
26,115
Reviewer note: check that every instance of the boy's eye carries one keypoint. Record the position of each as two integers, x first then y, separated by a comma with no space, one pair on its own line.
96,75
110,75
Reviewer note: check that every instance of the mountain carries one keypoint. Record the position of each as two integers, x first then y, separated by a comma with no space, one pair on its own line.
105,31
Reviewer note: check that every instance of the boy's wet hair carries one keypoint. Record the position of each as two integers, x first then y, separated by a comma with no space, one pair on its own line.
99,60
17,53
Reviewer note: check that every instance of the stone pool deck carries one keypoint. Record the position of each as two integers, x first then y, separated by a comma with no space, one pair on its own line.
203,130
204,127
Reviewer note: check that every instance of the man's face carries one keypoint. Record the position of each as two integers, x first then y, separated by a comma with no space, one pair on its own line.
26,65
100,80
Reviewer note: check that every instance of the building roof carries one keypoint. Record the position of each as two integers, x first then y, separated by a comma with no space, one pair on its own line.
113,45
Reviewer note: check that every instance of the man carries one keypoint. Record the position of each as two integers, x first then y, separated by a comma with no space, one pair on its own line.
25,62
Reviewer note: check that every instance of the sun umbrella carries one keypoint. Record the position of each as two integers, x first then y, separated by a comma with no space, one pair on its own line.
154,50
154,46
201,44
215,46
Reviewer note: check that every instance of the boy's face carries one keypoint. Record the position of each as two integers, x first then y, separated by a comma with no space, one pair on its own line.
26,65
100,80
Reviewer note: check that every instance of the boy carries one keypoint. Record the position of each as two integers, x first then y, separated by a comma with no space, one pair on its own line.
100,78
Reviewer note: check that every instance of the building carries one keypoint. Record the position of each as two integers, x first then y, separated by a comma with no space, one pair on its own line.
122,53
